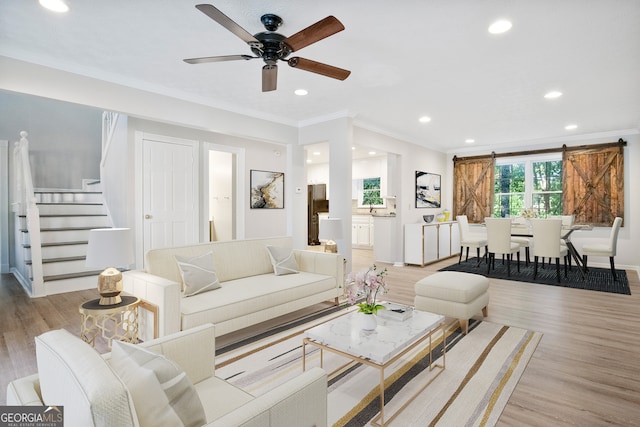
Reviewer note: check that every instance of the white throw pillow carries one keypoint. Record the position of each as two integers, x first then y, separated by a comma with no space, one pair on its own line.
198,274
282,260
162,393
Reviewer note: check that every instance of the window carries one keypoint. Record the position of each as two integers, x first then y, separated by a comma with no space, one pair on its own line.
534,182
369,193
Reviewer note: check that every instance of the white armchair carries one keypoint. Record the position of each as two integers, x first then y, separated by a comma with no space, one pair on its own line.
72,374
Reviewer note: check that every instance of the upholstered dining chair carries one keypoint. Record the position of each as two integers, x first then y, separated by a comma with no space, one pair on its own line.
525,242
499,242
567,223
469,239
546,244
604,249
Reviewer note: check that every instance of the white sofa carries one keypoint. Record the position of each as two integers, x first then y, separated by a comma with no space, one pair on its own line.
73,375
250,292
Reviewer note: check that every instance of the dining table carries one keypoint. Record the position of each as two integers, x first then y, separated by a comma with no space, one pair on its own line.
524,230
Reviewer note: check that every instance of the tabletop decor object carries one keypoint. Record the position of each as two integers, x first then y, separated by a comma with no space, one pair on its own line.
368,285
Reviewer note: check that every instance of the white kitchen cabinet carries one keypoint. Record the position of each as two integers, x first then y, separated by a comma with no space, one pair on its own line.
361,231
427,243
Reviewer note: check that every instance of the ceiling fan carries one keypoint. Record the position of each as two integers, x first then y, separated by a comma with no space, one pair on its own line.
273,47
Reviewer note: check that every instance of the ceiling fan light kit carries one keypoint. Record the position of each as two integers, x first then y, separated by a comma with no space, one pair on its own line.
272,47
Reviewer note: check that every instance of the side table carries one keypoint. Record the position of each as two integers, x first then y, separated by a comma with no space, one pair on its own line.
118,321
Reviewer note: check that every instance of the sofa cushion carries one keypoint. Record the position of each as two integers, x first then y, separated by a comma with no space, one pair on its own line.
161,392
72,374
217,390
282,260
241,297
198,274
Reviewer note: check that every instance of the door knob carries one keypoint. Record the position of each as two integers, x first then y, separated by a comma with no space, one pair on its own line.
147,216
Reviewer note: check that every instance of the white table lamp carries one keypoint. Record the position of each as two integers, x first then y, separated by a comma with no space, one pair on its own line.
110,248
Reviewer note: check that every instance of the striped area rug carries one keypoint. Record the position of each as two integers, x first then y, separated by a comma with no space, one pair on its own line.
482,370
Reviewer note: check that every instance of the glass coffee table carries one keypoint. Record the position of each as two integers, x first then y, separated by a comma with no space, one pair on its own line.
379,348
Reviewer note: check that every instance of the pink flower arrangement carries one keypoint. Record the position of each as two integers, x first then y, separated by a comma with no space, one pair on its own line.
368,285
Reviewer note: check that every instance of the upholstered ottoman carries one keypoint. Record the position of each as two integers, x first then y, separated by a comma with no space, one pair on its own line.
453,294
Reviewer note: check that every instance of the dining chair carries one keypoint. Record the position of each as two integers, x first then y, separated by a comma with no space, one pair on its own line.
604,249
499,242
469,239
546,244
567,223
525,242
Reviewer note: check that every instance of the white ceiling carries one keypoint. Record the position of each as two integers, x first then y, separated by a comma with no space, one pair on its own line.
408,59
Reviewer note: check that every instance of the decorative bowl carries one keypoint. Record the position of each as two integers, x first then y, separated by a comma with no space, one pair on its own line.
427,218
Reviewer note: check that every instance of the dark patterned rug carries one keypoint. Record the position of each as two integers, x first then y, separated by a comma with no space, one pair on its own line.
597,279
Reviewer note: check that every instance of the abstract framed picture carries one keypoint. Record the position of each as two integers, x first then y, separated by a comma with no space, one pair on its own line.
267,190
427,190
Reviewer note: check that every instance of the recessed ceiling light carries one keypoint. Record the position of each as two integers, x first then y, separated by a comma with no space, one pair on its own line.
309,160
469,141
55,5
353,148
316,153
424,119
301,92
501,26
571,127
553,94
372,153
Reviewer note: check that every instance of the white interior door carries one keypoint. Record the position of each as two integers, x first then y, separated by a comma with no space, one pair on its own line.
170,193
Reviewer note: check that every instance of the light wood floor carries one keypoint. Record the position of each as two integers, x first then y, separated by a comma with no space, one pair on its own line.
585,371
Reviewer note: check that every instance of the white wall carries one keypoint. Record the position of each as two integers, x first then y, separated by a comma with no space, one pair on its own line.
64,138
258,155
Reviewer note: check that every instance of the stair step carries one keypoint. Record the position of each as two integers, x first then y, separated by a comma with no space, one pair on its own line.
61,259
72,275
71,208
78,242
59,195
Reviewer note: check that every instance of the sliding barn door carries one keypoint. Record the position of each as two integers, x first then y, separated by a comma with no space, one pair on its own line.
473,188
593,185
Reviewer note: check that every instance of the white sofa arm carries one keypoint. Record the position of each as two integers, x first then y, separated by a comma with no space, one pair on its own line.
163,293
300,402
24,391
331,264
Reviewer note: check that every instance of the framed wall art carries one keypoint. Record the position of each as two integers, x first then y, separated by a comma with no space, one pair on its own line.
427,190
266,189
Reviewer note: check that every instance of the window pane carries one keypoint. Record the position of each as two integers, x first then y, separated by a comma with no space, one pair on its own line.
546,204
506,205
509,178
547,176
371,192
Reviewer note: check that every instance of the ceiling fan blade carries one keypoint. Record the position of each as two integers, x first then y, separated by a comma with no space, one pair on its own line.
218,59
226,22
319,68
313,33
269,78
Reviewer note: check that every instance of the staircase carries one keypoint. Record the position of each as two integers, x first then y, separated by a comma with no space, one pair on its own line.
66,216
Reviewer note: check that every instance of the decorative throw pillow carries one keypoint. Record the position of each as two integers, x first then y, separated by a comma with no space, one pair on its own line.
198,274
282,260
162,393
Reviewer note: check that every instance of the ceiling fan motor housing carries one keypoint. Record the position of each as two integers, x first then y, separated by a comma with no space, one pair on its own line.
273,47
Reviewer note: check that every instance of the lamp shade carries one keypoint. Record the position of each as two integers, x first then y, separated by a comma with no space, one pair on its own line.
110,247
330,229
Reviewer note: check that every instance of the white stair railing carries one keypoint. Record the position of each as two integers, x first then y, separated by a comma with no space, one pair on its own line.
109,123
25,204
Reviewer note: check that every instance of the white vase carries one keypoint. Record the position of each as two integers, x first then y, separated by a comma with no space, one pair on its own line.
368,322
